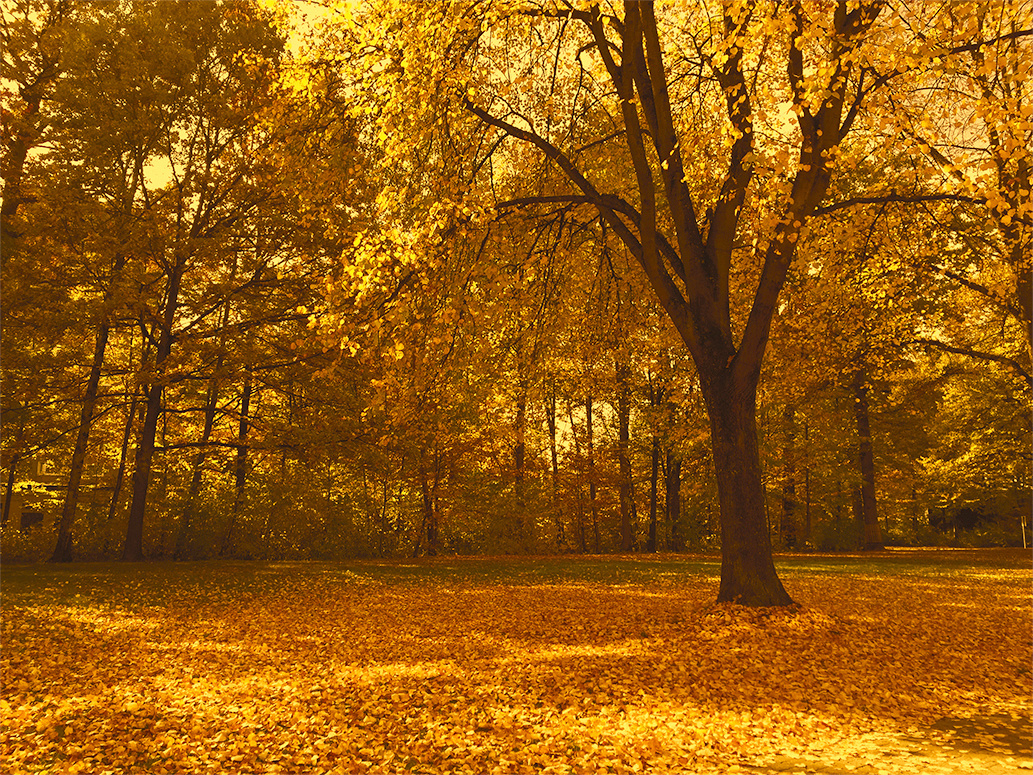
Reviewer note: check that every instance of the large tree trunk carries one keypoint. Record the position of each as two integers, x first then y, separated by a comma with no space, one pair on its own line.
688,258
866,460
747,569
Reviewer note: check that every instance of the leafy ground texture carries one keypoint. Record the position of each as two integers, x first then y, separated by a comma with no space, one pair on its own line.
903,662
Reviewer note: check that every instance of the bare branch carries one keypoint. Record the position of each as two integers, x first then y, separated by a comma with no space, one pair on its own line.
1011,363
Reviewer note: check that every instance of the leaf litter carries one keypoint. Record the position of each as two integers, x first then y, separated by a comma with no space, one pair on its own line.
296,673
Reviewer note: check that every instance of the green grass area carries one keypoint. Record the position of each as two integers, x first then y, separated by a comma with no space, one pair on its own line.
151,583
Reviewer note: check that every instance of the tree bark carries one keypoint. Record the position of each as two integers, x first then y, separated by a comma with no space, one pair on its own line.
579,525
747,567
806,487
519,463
654,494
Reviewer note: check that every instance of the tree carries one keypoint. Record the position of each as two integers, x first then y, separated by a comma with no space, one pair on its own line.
732,119
218,81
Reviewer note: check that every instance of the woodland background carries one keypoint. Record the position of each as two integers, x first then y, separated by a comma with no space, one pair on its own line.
257,305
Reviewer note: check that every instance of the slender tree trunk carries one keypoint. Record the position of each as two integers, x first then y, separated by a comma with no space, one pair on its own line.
806,487
133,548
210,405
9,493
578,500
384,525
627,495
123,456
593,503
550,415
655,399
519,463
243,427
673,493
747,568
428,507
132,551
63,550
428,491
197,476
866,459
654,493
788,517
433,527
240,465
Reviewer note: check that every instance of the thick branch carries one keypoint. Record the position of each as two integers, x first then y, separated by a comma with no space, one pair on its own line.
670,296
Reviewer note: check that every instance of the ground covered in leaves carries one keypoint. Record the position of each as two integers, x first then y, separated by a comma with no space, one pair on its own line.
492,665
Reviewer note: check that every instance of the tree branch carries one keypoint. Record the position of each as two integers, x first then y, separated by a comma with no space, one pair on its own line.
1011,363
895,197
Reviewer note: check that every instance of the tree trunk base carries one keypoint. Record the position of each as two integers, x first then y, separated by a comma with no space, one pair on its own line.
754,592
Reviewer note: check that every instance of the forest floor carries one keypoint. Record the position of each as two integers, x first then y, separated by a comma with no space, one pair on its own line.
902,662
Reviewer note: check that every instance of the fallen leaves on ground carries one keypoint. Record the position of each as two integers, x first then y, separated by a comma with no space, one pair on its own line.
340,673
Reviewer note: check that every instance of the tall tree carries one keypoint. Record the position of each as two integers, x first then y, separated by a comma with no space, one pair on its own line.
681,96
219,82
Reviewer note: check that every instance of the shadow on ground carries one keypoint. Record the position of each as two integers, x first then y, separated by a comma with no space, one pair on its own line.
997,744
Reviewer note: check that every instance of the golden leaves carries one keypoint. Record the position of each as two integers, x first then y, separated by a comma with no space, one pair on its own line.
323,670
